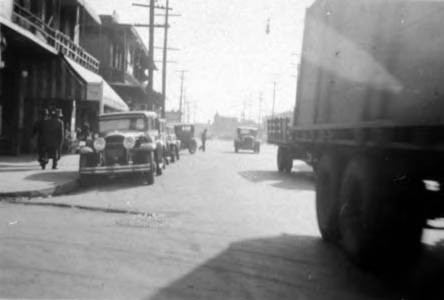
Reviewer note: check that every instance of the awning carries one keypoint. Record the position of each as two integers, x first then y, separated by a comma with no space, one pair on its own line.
97,89
90,10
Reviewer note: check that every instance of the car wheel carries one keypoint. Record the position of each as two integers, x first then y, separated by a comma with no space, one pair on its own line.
150,177
177,153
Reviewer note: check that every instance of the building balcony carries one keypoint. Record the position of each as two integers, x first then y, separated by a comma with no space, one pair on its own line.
55,38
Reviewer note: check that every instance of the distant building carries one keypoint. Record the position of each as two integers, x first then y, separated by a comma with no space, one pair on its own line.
124,61
42,65
224,127
173,116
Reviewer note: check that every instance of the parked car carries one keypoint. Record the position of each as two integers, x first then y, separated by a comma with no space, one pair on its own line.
173,144
127,143
247,139
185,134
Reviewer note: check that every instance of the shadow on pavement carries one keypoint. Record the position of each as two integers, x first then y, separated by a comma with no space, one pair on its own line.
284,267
53,176
425,279
240,152
19,169
109,184
301,180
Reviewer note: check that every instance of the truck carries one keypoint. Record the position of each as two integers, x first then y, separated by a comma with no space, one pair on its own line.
369,119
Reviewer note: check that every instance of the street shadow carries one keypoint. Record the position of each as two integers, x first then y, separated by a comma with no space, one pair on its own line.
425,278
110,184
300,180
11,159
284,267
240,152
5,169
53,176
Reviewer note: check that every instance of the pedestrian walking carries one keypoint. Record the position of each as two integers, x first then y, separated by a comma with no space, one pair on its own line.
53,132
39,131
203,138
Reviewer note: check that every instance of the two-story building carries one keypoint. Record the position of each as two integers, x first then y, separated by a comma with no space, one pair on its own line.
42,65
124,61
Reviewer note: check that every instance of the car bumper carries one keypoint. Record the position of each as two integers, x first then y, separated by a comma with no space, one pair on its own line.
125,169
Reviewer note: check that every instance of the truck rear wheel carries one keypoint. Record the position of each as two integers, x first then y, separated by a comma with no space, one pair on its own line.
150,177
379,224
284,160
327,196
281,159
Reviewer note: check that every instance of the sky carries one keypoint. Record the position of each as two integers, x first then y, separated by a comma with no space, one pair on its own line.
230,60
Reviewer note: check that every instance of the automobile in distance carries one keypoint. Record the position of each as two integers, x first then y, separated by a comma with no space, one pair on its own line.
127,143
247,139
185,134
172,144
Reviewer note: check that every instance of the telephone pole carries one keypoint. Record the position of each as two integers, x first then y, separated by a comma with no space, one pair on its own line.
182,79
274,98
259,117
164,62
151,27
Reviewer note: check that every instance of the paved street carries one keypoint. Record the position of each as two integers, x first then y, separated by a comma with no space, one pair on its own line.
216,225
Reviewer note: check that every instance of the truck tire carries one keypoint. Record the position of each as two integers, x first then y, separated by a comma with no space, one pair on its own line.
378,220
280,159
328,183
288,165
285,161
150,177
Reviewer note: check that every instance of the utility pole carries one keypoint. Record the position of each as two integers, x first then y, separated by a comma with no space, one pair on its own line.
182,79
164,63
259,118
151,27
274,98
151,46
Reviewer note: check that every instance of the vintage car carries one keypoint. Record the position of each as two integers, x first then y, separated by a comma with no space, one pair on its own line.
173,144
127,143
185,134
247,139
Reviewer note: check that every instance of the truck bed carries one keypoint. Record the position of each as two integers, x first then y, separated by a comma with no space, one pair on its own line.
358,73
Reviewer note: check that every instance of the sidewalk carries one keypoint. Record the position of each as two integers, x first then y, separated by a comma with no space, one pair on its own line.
21,176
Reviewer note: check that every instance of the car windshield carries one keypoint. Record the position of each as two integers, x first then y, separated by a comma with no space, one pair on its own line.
124,123
245,131
185,128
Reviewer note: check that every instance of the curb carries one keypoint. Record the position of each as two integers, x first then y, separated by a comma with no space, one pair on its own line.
60,189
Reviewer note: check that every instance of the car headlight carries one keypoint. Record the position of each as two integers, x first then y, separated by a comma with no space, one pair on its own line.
129,142
99,144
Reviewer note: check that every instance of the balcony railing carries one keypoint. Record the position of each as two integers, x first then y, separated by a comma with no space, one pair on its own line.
60,41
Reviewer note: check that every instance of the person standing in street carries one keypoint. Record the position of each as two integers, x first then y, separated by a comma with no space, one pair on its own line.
53,132
39,131
203,138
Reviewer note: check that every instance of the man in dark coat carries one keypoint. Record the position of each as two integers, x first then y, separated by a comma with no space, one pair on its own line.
204,139
53,132
38,130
